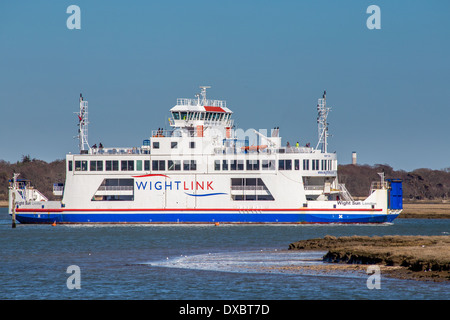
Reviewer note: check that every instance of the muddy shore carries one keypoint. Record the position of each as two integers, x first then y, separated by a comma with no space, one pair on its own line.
405,257
425,210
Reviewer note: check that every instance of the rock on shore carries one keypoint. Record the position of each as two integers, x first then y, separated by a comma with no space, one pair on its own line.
420,257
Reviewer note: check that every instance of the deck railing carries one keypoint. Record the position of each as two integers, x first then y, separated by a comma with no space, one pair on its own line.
197,102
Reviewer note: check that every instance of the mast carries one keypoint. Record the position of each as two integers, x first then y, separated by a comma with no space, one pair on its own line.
83,126
203,93
322,125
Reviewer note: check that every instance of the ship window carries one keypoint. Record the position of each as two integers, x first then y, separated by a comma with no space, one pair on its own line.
265,197
235,182
249,189
139,165
127,165
147,165
297,164
174,165
330,164
305,164
176,115
225,165
81,165
155,145
216,165
315,164
202,115
174,145
70,165
96,165
284,164
183,115
112,184
189,165
324,164
252,164
237,165
192,144
115,190
112,165
158,165
268,165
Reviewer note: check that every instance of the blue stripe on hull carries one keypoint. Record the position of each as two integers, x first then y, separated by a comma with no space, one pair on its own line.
203,218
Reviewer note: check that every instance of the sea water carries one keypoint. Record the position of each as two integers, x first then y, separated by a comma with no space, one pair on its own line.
192,262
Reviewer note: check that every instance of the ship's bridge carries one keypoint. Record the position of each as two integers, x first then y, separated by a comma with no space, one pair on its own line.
191,113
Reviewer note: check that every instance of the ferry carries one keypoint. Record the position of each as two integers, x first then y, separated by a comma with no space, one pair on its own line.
204,170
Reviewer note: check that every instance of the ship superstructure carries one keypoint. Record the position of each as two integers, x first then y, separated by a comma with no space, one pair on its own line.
204,170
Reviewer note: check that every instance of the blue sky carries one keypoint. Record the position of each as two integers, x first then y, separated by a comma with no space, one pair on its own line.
271,61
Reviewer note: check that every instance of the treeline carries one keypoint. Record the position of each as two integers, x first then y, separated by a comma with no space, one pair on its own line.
41,174
420,184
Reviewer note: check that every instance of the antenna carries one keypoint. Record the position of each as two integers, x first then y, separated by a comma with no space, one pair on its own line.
203,93
322,124
83,125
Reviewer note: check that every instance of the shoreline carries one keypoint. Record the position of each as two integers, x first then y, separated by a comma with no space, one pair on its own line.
401,257
425,210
